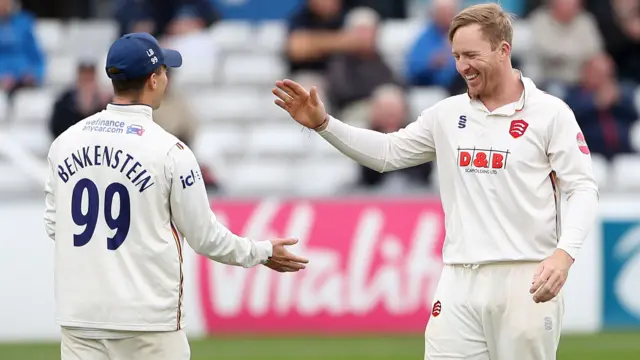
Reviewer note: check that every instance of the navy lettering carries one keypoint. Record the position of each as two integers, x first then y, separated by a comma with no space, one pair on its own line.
66,162
145,183
87,159
117,157
132,170
63,175
97,155
107,156
129,158
77,161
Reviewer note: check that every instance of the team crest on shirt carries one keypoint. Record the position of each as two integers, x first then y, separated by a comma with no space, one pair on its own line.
517,128
437,308
582,144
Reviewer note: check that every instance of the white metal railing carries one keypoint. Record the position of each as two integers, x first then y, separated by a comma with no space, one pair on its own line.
33,167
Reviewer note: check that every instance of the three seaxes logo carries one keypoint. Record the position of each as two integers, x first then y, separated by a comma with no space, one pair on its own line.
437,308
517,128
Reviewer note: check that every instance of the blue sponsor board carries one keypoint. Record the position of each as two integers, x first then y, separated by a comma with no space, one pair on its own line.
621,263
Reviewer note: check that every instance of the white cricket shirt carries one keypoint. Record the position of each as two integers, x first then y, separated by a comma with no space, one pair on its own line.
121,197
499,172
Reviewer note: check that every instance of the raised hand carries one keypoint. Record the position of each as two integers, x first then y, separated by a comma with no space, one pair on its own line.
304,107
282,260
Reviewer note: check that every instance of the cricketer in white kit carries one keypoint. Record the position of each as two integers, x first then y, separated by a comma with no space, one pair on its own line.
121,197
505,151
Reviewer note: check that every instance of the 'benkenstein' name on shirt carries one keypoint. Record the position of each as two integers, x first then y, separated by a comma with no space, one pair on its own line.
104,156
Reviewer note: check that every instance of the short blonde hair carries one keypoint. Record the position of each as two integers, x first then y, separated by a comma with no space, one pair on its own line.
494,22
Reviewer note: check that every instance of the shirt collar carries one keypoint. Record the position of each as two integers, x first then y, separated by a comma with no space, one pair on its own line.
139,109
510,109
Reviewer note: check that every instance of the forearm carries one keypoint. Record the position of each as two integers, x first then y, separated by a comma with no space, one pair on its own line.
580,216
367,147
218,243
306,45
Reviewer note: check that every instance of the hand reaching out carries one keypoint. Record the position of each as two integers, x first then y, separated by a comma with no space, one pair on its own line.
282,260
304,107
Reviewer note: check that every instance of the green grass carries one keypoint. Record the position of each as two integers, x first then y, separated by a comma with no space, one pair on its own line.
613,346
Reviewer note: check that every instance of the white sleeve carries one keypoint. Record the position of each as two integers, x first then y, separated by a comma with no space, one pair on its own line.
570,160
410,146
192,215
50,200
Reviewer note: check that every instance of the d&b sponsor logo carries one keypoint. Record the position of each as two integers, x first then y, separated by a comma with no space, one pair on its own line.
482,161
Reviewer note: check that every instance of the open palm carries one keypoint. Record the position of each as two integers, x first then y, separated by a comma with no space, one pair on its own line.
304,107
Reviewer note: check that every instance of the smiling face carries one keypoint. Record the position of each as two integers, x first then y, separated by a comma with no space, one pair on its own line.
477,61
480,37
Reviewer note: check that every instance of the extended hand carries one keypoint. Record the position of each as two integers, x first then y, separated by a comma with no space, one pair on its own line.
282,260
550,276
304,107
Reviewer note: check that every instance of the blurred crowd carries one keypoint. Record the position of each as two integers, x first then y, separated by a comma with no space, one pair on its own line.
586,52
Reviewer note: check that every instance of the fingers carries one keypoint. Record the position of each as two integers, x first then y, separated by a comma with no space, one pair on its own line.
284,266
289,90
551,288
298,259
281,95
315,98
287,241
282,105
295,87
540,277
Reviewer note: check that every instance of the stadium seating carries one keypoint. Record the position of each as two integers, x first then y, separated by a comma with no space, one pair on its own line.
32,106
227,77
4,108
601,170
626,172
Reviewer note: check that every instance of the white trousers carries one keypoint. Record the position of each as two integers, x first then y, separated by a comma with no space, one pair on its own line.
171,345
486,312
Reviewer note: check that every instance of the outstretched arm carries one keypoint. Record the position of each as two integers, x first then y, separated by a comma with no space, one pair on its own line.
411,146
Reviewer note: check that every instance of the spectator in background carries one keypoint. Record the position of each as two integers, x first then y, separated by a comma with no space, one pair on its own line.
604,107
564,37
84,99
429,62
389,112
22,61
176,17
352,77
396,9
619,22
175,117
316,33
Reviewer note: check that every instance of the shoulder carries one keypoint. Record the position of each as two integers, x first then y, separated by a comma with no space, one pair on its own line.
450,107
167,143
548,101
450,104
540,14
24,18
585,18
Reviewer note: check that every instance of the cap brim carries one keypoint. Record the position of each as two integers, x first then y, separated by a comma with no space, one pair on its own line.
172,58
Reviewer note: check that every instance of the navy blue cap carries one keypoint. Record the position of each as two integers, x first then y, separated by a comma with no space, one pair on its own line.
138,55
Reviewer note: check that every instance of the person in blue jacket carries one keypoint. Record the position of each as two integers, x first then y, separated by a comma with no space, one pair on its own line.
22,62
429,62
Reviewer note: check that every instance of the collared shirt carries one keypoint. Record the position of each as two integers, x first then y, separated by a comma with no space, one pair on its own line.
121,197
500,173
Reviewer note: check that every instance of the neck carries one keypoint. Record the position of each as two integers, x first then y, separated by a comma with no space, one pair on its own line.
121,100
507,90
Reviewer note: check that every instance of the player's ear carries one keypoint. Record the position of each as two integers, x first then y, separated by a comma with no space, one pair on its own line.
505,50
153,81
